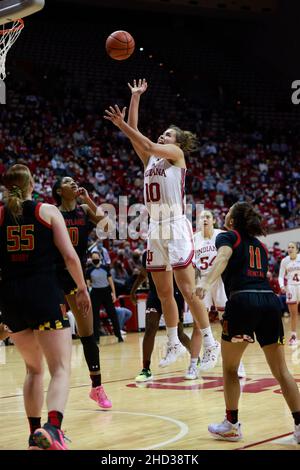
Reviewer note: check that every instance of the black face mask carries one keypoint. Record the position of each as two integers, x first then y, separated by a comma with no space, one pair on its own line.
96,261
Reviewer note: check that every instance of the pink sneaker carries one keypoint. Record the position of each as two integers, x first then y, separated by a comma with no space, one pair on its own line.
98,394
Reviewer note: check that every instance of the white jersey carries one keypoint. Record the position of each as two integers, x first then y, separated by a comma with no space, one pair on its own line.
205,251
164,189
289,269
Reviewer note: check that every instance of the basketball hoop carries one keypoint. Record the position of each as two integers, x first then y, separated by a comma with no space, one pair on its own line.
8,37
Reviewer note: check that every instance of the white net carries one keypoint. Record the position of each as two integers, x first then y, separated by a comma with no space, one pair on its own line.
8,36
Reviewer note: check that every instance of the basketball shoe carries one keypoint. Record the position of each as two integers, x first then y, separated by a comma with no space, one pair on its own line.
49,438
293,340
99,396
192,372
144,375
226,431
174,351
297,433
31,444
210,356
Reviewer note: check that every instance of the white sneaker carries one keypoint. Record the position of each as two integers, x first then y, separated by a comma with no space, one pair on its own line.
192,373
297,433
210,357
293,341
226,431
241,371
174,351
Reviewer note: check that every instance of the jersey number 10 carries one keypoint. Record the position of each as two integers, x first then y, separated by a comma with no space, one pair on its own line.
152,192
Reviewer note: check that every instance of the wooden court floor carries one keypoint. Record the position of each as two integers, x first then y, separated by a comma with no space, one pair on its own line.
168,413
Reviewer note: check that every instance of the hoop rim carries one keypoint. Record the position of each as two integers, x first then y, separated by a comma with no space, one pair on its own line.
15,28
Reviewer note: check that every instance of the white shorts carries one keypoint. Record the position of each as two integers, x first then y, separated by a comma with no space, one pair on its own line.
293,294
216,296
170,244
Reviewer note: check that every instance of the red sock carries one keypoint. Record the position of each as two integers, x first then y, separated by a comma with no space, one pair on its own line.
55,418
232,416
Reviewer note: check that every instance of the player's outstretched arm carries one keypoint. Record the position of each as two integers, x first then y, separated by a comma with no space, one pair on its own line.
137,89
219,266
168,151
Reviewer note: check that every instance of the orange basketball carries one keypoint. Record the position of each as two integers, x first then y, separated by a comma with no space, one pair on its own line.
120,45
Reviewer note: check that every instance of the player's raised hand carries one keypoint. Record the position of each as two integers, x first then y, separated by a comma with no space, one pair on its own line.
202,290
139,87
83,194
115,115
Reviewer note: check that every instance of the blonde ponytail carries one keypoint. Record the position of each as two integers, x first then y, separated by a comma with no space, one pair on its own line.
17,182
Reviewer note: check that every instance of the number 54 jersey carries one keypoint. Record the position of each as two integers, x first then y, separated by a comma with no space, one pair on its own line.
205,254
205,251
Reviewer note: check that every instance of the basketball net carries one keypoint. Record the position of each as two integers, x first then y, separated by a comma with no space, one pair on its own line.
8,37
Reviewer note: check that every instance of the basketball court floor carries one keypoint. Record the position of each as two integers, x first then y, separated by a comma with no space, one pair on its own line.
167,413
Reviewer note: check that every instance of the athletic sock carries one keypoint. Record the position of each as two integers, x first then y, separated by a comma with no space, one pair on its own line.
296,416
34,423
172,335
232,416
208,339
55,418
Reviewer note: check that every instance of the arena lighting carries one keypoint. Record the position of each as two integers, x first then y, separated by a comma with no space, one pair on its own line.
141,49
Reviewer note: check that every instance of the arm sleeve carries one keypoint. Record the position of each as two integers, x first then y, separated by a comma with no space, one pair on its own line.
226,239
88,274
107,269
281,274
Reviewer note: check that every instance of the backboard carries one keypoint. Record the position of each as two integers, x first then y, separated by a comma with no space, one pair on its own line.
11,10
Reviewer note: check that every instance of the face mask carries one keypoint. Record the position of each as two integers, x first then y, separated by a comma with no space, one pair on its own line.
96,261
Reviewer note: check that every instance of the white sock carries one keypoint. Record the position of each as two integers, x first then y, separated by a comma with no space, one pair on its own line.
173,335
208,339
194,361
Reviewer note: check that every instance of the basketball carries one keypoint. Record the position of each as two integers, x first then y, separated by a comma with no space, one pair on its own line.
120,45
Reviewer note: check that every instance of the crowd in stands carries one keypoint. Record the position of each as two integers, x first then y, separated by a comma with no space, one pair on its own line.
234,162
